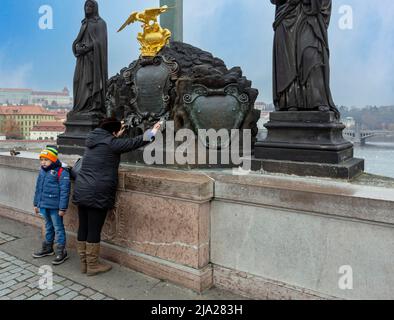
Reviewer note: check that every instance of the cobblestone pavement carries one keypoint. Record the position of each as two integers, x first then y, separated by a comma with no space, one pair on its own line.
20,280
4,238
20,277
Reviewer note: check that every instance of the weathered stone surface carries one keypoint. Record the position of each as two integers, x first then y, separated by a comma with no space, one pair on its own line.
325,196
276,232
167,228
172,183
256,287
194,279
346,170
304,249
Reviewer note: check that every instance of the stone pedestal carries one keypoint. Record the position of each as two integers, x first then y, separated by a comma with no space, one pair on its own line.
306,143
160,225
78,125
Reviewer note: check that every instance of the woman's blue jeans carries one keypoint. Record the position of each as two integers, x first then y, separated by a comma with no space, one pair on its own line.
54,227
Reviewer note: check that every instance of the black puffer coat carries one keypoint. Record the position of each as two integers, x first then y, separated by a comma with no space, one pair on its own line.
97,181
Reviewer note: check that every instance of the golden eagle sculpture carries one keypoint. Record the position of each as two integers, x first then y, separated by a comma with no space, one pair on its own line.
154,37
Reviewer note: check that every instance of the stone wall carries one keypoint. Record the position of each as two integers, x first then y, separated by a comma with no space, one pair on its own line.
262,236
6,145
160,225
291,236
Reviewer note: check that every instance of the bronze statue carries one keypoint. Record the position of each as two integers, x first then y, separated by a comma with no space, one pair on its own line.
91,72
301,72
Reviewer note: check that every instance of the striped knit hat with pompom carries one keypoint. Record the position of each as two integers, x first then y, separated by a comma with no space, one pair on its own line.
50,153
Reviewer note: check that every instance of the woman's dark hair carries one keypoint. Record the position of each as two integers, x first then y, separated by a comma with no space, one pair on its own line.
111,125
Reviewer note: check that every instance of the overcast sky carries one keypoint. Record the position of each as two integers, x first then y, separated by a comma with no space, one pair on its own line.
237,31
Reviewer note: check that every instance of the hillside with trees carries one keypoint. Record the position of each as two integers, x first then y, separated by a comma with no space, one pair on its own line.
371,117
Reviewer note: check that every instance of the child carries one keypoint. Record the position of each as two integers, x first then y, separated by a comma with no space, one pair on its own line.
51,200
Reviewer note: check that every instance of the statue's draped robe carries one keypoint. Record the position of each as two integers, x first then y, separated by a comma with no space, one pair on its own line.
91,72
301,55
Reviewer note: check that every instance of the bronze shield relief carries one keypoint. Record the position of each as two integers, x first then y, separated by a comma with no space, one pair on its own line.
152,81
224,108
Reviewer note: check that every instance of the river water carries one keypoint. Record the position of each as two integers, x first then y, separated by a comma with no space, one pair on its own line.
379,157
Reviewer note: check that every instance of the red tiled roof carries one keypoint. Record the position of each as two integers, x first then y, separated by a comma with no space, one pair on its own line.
60,112
24,110
49,126
60,115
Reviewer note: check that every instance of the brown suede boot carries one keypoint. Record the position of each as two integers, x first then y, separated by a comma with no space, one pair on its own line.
94,267
81,249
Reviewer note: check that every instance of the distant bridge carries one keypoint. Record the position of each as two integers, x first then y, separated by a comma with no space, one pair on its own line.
359,136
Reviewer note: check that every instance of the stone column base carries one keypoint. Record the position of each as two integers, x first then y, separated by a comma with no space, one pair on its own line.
347,170
78,127
307,144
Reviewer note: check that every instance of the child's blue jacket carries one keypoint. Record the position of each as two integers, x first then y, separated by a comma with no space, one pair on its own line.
52,190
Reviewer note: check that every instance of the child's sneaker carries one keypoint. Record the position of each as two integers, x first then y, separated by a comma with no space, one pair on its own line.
46,250
61,255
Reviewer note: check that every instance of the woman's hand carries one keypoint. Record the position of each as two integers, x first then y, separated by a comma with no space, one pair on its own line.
156,128
122,130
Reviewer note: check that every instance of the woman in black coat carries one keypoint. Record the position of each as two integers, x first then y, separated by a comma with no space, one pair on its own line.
96,185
